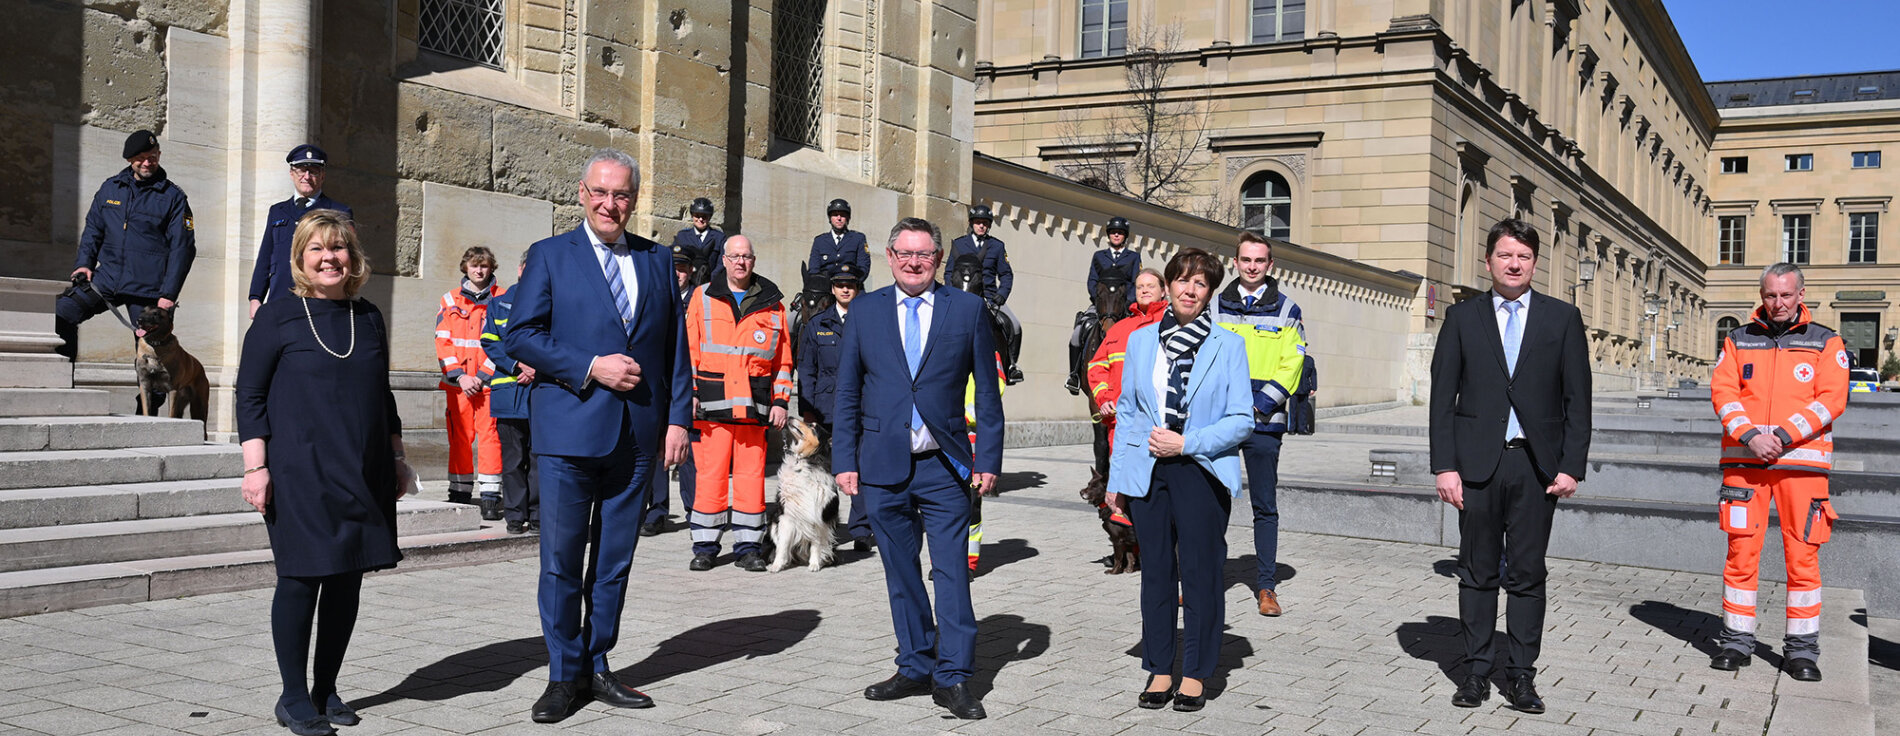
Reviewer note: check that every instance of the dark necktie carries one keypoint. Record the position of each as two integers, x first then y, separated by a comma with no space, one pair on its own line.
303,203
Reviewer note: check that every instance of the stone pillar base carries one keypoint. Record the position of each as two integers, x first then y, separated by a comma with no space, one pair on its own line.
27,357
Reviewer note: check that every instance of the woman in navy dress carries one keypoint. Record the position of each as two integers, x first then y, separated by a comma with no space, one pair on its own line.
323,459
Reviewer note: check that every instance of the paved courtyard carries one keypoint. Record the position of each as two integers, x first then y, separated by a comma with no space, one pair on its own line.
1364,648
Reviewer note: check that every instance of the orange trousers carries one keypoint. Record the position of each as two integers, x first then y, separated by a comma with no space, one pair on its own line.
730,493
471,434
1807,519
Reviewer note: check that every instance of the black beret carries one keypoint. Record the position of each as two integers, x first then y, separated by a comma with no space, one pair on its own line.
139,142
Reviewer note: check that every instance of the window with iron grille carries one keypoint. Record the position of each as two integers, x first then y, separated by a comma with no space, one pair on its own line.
798,81
1266,205
465,29
1795,233
1278,20
1104,28
1732,240
1863,237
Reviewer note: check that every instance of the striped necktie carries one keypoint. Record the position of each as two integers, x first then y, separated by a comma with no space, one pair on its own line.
617,286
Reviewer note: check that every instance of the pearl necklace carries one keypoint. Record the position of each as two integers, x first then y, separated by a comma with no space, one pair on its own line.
313,329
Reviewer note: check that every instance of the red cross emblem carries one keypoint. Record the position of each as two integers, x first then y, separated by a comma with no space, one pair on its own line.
1804,373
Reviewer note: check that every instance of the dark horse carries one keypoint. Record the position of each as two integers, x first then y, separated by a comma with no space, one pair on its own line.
814,298
1110,306
967,274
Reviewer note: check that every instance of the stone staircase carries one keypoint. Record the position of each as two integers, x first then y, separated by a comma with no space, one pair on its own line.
97,508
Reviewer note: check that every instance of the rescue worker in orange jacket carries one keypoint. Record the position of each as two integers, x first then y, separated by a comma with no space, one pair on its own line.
1779,385
737,333
466,370
1105,368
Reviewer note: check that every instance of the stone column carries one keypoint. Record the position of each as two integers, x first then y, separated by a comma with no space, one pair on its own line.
1052,46
27,340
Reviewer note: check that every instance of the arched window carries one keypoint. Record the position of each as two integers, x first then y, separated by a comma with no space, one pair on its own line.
1266,205
1722,328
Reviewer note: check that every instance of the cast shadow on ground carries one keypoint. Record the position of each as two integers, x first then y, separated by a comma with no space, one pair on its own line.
1695,628
1002,552
1435,640
1880,652
1234,651
1242,571
492,667
1020,480
1005,638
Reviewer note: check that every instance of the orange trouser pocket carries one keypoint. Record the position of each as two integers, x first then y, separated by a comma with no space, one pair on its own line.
1820,522
1736,516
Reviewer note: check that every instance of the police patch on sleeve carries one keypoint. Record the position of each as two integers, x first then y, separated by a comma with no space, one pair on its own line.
1840,356
188,223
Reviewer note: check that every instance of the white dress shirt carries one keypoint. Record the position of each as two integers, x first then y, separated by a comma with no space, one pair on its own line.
1504,318
920,439
625,259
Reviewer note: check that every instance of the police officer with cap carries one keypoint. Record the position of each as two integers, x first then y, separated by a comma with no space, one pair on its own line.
687,263
998,279
137,246
1116,257
840,244
820,344
270,278
708,242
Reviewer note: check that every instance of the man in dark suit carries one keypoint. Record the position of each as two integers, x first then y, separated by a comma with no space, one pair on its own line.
840,244
597,314
270,277
902,441
1510,434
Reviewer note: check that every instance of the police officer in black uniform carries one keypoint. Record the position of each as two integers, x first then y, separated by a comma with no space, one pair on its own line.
708,242
687,261
270,278
840,244
998,279
820,343
137,247
1118,259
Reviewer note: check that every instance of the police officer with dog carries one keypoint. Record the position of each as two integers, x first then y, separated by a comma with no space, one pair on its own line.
998,279
137,246
270,278
840,244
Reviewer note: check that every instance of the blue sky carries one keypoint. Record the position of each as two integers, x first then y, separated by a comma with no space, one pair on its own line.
1747,39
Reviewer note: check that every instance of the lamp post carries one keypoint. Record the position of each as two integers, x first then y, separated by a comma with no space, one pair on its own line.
1652,306
1586,273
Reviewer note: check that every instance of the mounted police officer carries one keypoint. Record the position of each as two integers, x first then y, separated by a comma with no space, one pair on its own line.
137,247
820,343
998,278
708,242
270,278
1118,260
840,244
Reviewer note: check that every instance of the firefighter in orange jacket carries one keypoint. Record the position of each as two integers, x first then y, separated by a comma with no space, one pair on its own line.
742,380
466,370
1105,367
1779,385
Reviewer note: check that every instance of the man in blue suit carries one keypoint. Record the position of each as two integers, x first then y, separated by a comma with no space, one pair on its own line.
597,315
901,440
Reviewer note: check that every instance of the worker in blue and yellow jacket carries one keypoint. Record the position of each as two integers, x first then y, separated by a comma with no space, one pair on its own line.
1254,308
508,404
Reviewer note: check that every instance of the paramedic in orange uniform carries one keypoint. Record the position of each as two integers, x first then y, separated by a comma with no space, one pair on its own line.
1779,385
466,370
741,350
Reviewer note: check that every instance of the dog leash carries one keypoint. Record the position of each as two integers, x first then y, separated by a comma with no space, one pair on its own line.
110,307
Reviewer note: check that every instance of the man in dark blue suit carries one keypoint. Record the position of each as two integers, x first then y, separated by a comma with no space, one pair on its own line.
270,278
902,441
840,244
596,313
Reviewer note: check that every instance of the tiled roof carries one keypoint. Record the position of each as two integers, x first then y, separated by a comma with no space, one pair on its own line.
1858,87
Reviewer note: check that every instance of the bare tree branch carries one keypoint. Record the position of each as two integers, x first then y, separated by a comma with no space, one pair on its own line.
1153,145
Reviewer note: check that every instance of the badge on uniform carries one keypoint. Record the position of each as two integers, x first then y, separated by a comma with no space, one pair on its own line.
758,336
187,222
1748,371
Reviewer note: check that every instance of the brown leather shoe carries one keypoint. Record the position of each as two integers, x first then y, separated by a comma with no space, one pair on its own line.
1269,605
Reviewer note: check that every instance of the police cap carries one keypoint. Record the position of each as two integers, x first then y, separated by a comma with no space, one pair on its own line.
139,142
981,212
306,155
701,206
1117,223
845,271
838,205
684,253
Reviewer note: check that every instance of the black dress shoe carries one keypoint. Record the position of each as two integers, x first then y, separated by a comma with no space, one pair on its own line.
311,726
517,527
1190,703
753,562
607,689
558,702
700,563
491,509
338,712
1154,699
652,528
1472,692
1523,695
1729,660
898,686
861,544
960,701
1805,670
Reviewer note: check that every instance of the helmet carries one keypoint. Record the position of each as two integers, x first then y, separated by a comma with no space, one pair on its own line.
701,206
1117,223
981,212
838,205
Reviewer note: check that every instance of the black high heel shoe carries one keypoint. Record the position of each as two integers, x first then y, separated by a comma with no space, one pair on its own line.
1154,699
338,712
318,726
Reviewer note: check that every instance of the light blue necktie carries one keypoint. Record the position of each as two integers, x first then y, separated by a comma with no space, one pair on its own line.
913,349
618,287
1513,337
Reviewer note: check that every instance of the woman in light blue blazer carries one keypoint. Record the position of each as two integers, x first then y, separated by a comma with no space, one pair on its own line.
1184,409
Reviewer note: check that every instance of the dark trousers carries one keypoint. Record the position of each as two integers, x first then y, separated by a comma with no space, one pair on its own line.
1506,517
1260,452
1181,526
590,524
80,304
520,478
932,508
657,495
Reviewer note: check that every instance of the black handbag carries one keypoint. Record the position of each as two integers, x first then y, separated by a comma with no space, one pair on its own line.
1301,414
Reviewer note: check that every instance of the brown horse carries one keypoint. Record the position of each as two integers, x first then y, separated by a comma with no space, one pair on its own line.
1110,306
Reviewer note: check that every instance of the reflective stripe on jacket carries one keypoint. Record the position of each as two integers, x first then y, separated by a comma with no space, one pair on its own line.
459,325
1791,382
741,351
1276,348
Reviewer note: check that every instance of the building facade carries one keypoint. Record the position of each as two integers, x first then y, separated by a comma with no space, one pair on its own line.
452,123
1797,174
1393,133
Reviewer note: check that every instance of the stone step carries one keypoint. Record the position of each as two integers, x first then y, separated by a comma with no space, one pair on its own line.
61,468
25,434
66,588
120,541
29,507
52,402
